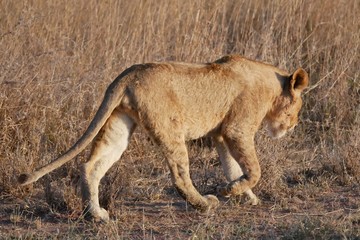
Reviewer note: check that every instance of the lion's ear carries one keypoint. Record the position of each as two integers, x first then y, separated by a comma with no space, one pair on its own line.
299,80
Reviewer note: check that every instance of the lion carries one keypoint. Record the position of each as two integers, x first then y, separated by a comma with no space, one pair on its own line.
228,100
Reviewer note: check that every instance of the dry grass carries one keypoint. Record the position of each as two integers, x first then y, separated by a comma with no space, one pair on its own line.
56,59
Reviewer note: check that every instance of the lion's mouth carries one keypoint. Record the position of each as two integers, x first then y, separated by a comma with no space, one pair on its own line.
276,131
277,134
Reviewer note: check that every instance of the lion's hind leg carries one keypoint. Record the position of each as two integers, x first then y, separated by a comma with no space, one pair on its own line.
232,169
111,142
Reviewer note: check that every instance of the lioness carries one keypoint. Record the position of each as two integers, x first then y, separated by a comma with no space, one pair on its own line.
174,102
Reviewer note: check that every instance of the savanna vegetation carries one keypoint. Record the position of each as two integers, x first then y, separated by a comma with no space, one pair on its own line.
57,58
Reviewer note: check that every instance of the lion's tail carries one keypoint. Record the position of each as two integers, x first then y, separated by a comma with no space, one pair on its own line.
112,99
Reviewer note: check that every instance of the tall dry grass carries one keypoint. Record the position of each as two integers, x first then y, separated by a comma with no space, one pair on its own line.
57,58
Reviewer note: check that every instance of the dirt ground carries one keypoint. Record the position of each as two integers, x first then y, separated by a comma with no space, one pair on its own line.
332,213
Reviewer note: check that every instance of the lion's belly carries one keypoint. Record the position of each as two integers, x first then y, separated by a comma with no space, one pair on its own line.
197,125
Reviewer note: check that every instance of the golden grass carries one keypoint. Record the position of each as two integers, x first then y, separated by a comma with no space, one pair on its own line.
57,58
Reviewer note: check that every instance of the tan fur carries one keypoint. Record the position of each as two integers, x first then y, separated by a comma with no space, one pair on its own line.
174,102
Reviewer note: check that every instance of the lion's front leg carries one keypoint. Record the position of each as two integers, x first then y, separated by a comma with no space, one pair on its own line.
243,151
232,169
178,162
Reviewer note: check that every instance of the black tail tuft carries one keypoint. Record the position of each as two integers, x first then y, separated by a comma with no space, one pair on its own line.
23,178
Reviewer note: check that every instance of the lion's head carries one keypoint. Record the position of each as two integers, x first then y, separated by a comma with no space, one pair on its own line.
283,116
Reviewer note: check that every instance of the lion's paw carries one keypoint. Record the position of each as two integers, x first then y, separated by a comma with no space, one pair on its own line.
103,216
212,200
99,216
234,188
253,199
